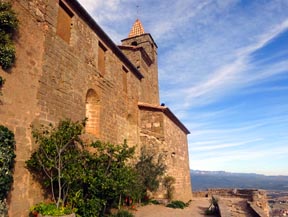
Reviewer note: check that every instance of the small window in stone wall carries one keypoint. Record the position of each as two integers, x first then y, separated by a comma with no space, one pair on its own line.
64,22
101,58
93,113
124,78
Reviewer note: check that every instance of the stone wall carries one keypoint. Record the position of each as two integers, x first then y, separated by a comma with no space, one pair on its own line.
259,203
19,106
255,199
161,135
50,81
71,69
178,159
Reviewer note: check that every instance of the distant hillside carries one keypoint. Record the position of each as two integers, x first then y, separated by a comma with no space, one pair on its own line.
202,180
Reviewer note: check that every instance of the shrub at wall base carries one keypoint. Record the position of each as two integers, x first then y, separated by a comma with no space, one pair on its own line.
88,184
53,163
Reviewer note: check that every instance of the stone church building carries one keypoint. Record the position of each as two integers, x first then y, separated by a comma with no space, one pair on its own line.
68,67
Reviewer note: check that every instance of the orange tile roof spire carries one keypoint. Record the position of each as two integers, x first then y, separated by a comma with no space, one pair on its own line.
137,29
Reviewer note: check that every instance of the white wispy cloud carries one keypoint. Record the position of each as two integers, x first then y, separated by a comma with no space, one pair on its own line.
219,145
228,75
263,39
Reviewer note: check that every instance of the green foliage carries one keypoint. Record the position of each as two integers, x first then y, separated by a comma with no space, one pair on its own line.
8,28
51,209
7,55
89,182
89,206
168,183
106,175
122,213
150,170
7,155
55,162
177,204
3,209
155,202
136,188
8,18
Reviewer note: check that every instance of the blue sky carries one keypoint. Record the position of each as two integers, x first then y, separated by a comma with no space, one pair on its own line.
223,70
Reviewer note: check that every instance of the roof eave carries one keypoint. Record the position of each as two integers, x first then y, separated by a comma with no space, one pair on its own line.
129,38
167,112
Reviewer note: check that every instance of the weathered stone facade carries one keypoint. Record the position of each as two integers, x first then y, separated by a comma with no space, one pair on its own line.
70,68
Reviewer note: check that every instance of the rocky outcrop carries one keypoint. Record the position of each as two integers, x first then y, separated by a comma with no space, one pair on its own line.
239,202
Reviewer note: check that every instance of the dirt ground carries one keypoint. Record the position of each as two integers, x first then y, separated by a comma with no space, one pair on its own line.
196,209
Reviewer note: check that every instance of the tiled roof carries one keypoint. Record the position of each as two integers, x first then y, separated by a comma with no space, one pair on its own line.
137,29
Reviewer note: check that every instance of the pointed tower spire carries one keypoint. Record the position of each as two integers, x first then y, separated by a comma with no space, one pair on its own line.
137,29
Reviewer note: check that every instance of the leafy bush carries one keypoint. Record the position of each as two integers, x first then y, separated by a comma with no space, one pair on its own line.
8,18
90,182
8,28
91,207
7,155
106,174
7,55
3,209
122,213
155,202
55,162
168,183
51,209
177,204
150,170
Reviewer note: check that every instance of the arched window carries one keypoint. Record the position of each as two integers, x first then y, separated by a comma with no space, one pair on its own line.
93,113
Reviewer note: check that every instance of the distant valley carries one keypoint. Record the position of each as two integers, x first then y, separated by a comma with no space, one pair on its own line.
202,180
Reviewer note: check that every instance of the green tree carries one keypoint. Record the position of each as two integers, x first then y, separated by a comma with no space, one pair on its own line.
55,162
107,172
150,168
90,182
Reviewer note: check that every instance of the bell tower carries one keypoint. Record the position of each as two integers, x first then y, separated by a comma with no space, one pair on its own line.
141,50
